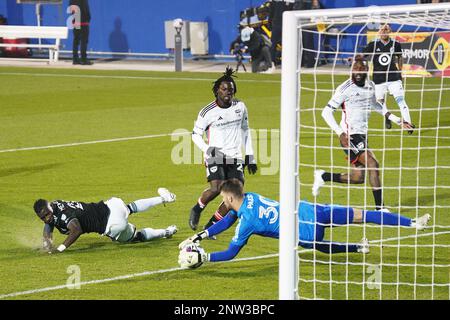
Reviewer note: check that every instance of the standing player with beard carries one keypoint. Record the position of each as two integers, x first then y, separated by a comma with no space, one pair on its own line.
386,55
225,122
356,97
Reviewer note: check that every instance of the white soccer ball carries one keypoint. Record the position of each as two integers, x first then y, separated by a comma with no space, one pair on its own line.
191,256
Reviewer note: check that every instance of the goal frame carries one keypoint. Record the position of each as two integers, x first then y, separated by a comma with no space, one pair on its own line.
289,135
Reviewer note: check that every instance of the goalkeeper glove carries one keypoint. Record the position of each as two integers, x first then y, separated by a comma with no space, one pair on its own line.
215,156
250,163
194,239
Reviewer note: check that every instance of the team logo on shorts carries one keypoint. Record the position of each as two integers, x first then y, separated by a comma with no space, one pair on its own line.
213,169
384,59
360,145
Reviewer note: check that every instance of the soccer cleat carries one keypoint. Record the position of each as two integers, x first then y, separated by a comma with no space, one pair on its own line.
166,195
318,182
421,222
363,246
388,124
384,210
170,231
194,219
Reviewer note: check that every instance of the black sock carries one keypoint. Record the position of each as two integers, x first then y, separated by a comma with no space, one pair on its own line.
139,237
378,196
335,177
210,223
215,218
197,208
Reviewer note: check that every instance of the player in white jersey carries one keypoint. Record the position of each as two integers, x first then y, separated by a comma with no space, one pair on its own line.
225,123
356,97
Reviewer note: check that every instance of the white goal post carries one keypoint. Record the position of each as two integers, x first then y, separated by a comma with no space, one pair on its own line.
436,16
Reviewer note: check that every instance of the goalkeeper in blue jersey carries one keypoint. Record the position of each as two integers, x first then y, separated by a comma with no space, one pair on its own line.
260,215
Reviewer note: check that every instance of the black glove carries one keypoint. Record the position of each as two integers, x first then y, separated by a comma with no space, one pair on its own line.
215,156
250,163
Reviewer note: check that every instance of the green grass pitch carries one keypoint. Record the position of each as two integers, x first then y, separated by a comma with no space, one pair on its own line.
54,108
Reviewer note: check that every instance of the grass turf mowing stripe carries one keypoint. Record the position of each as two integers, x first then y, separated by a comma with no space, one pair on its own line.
128,276
147,273
73,144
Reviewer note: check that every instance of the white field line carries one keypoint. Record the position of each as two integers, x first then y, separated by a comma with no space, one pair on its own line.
105,76
73,144
97,76
148,273
95,142
127,276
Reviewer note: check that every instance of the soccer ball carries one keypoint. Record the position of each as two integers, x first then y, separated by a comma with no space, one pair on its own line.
193,261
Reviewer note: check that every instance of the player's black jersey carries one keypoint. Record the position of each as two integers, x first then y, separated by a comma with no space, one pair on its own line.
382,56
93,217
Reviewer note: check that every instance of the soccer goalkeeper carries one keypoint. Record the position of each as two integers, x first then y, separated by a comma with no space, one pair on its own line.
260,215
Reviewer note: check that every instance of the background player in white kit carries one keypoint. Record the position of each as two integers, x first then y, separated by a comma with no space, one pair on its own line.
225,122
386,55
109,218
356,97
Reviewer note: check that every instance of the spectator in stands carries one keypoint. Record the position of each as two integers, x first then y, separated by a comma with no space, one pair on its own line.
276,19
3,20
80,30
309,54
258,47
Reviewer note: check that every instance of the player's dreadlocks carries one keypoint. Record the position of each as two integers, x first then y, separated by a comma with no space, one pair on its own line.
228,76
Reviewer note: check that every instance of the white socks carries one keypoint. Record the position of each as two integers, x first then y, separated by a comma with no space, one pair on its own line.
150,233
404,109
144,204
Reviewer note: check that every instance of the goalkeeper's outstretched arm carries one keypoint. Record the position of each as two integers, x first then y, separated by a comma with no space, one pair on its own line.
216,228
226,255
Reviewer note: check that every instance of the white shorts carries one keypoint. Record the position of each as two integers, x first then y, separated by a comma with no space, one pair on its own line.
118,227
395,89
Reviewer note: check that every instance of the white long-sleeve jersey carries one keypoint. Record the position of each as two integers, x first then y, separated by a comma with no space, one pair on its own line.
356,103
225,128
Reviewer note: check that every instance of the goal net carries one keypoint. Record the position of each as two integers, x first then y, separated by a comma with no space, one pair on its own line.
414,169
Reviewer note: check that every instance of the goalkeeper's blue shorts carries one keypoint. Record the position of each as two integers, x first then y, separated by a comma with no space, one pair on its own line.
314,218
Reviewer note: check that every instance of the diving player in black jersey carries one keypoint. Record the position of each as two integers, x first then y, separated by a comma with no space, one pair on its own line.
108,218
